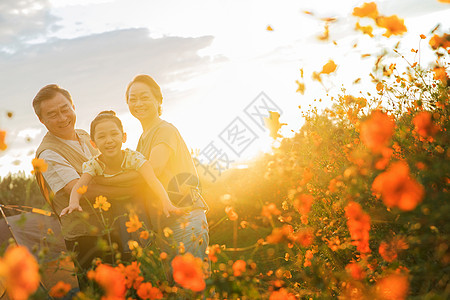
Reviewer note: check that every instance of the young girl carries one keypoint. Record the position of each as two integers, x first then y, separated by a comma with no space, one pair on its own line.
107,135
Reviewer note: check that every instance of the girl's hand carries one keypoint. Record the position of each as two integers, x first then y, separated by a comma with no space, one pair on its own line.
170,209
71,208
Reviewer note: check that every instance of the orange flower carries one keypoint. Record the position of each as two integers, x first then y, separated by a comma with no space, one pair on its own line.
377,130
440,74
329,67
303,203
368,10
269,210
301,87
355,271
101,203
144,235
3,146
131,273
440,41
60,289
394,286
424,125
269,28
187,271
134,224
282,294
358,223
239,267
397,188
82,190
390,250
147,291
39,165
111,280
364,29
304,237
279,235
393,25
212,250
232,215
20,272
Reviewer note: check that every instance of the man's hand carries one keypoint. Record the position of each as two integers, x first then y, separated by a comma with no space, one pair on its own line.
71,208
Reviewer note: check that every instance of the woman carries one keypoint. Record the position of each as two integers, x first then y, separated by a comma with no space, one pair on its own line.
163,146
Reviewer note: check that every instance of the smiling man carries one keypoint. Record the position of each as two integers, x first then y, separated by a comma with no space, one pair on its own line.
65,149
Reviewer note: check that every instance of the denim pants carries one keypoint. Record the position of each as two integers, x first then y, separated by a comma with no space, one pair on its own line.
190,229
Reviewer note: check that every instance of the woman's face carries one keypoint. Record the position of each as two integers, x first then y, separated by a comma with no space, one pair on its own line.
142,103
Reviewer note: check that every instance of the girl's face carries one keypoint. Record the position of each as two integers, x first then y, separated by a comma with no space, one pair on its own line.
109,138
142,103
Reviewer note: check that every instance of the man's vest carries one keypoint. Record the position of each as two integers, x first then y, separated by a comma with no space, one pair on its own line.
76,224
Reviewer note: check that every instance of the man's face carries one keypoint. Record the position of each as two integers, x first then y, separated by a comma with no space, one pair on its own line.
142,103
58,115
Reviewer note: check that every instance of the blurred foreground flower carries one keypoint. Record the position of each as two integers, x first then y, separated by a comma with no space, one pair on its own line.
377,130
20,271
394,286
282,294
111,280
60,289
392,24
187,272
39,165
368,10
397,188
3,146
424,124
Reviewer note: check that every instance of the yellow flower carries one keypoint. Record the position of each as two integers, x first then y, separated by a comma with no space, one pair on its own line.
82,190
144,235
364,29
367,10
3,146
329,67
393,25
134,224
167,231
39,165
102,203
269,28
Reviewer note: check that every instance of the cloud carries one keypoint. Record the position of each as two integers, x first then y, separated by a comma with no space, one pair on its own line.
23,21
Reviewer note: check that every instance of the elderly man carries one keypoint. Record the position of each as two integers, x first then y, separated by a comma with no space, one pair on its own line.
64,149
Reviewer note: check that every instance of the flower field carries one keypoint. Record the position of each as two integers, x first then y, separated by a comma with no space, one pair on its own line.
354,206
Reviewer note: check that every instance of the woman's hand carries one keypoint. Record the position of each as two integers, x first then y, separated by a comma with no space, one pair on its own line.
71,208
170,209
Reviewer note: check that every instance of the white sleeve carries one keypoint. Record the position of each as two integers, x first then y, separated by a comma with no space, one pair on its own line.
59,172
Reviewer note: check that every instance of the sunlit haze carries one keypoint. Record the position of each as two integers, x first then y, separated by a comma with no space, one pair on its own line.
211,59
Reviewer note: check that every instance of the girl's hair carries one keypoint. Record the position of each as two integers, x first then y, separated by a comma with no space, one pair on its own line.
151,83
105,115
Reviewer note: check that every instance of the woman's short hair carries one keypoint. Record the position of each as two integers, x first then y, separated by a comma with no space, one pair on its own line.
151,83
48,92
102,116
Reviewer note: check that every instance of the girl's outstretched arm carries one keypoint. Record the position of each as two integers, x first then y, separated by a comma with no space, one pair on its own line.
74,203
149,175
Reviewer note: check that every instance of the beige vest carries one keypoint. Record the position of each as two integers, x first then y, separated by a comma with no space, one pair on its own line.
75,224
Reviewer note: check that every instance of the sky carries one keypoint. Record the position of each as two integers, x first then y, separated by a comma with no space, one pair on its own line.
214,61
